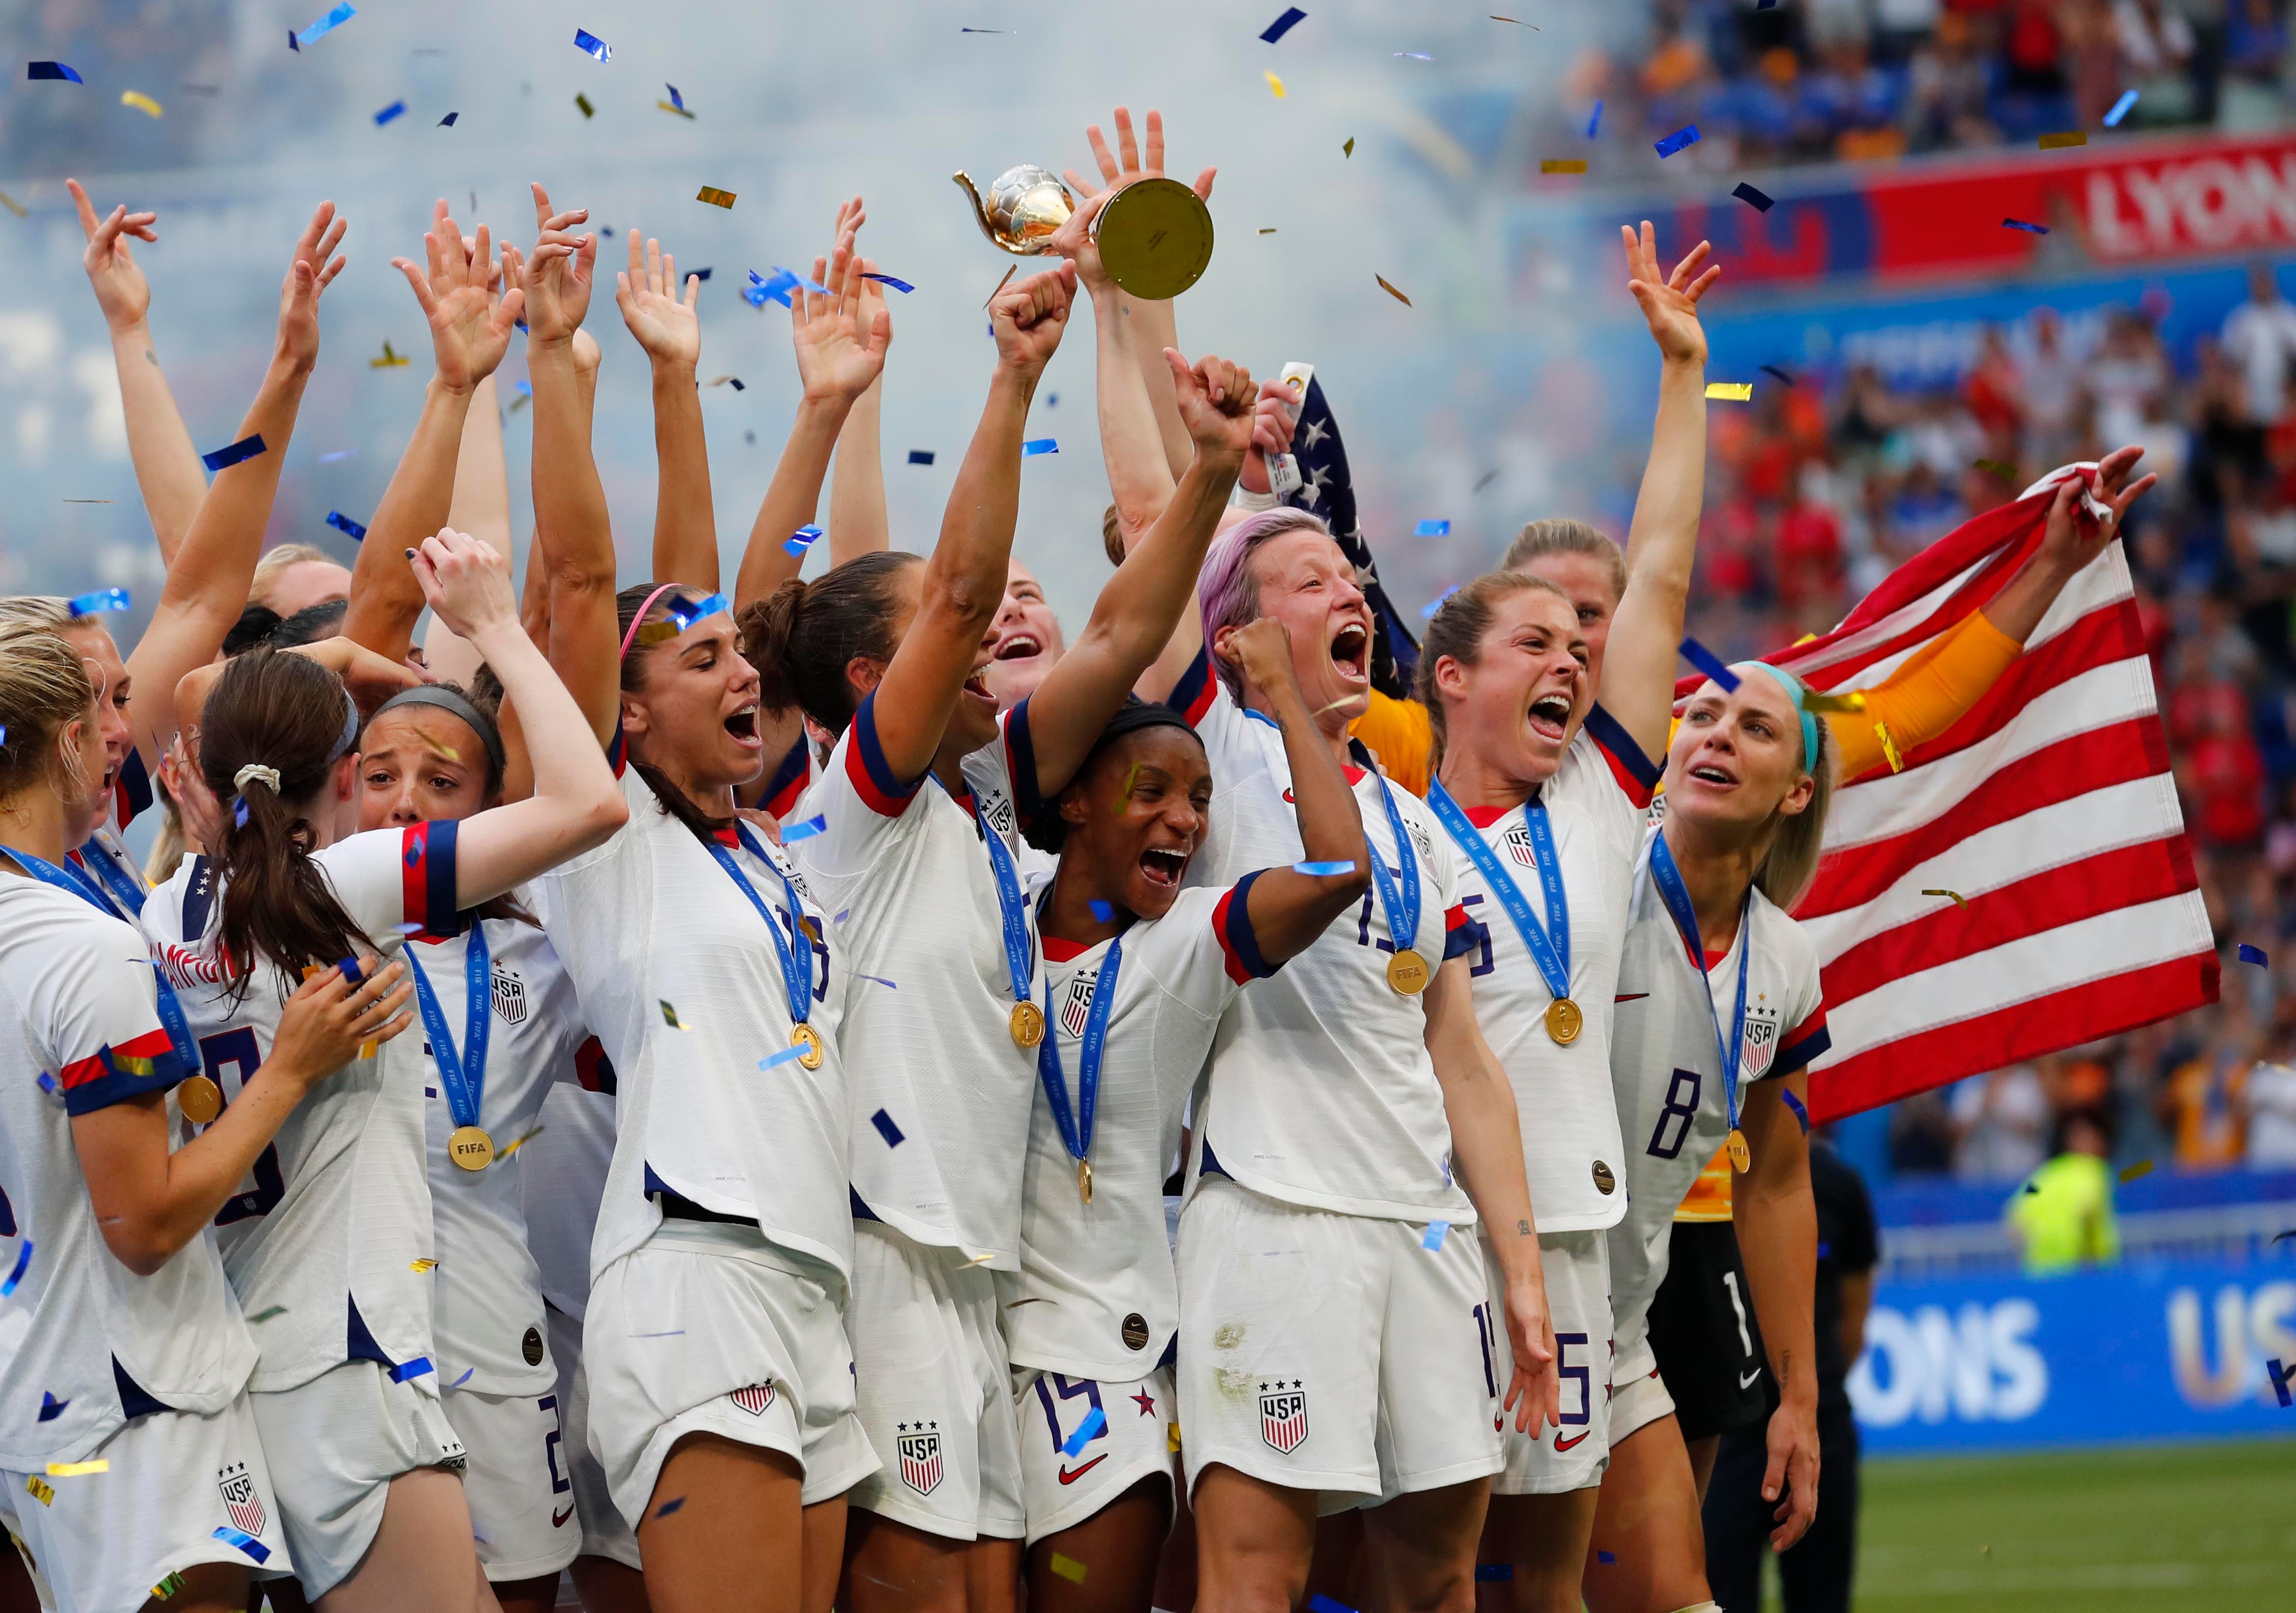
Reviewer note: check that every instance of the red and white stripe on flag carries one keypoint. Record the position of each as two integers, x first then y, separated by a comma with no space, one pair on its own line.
2049,808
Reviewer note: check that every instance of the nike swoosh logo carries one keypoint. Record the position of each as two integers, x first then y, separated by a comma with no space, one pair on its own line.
558,1519
1069,1478
1745,1379
1562,1443
1630,997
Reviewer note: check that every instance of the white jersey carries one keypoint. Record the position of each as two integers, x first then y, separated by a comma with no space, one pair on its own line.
1096,1297
1572,1157
331,1229
85,1343
566,1168
1322,1094
487,1317
1666,1065
650,926
901,865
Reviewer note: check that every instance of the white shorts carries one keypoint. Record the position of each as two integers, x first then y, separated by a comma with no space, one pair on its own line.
521,1498
1328,1352
1573,1455
606,1532
103,1542
1135,1442
936,1391
1638,1396
335,1445
710,1329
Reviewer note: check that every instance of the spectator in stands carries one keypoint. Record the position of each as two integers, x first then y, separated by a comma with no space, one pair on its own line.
1946,104
2205,1098
2259,336
2255,59
2270,1101
2000,1125
2158,49
2062,1217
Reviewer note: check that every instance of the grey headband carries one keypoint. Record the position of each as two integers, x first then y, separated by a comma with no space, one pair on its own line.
461,706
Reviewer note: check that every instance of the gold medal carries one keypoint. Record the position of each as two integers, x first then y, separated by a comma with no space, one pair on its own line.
804,1035
1028,1023
470,1148
1740,1156
200,1099
1406,972
1083,1179
1564,1021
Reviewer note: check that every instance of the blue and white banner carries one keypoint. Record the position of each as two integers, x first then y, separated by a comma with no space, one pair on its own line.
2153,1351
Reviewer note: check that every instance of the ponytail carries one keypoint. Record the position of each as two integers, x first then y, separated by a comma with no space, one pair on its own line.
272,729
803,636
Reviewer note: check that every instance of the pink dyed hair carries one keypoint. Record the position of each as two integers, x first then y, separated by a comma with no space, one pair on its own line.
1227,592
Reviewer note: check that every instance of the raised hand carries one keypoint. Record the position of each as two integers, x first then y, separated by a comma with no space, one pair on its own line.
668,330
1274,424
466,582
1216,405
309,276
835,358
121,292
1261,651
469,326
869,303
1074,241
1669,302
2073,536
1030,317
1129,163
558,274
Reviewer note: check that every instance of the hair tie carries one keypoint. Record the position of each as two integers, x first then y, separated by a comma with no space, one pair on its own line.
257,773
624,653
457,704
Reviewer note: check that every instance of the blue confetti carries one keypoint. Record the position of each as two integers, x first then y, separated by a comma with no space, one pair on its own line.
667,1507
291,43
1784,379
1823,1248
1041,445
877,980
329,459
2254,954
887,280
239,812
1427,611
1321,1603
1415,55
812,826
698,274
886,1129
921,457
816,287
1795,1104
685,614
589,42
1607,1557
465,1379
51,70
416,1368
324,26
762,290
246,447
2281,1376
2030,229
1500,1572
802,539
1051,400
1320,871
2121,109
242,1540
1095,1424
1699,655
1753,198
1687,136
1431,528
344,523
1436,1231
103,599
393,110
1292,17
525,388
23,1260
350,966
51,1408
676,99
783,1057
1102,911
1595,122
447,122
48,1083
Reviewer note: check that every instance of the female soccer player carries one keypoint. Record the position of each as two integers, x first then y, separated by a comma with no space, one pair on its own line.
1138,973
328,1241
130,1356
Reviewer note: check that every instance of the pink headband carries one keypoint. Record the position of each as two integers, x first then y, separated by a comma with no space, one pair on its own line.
624,653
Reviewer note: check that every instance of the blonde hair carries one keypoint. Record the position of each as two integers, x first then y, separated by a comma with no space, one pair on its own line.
1560,534
45,610
45,687
1787,868
1457,630
276,560
169,846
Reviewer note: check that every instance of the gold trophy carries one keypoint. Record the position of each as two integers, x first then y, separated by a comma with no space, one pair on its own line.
1154,236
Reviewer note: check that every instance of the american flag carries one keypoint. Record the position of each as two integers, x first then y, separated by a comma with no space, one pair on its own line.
2048,808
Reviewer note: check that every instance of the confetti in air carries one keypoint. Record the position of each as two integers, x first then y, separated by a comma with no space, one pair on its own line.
1323,871
2030,229
1321,1603
589,43
1427,611
2254,954
1712,664
1432,528
1754,199
1608,1559
465,1379
1495,1572
1390,290
714,197
812,826
51,1408
1069,1568
389,361
417,1368
787,1053
267,1314
1995,467
1562,165
886,1129
23,1263
887,280
2121,109
2058,142
246,447
582,105
1889,752
141,101
2130,1173
1731,391
1292,17
393,111
1596,121
1782,378
1095,1423
1436,1233
1684,136
1274,83
447,122
1955,894
51,70
669,1015
1348,149
324,26
1102,911
1817,700
240,1540
1041,445
78,1469
103,599
344,523
2280,1377
802,539
921,457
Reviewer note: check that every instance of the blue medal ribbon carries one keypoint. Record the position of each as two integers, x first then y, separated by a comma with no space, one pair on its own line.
1075,1125
1550,948
464,1074
1012,910
68,878
1402,910
1676,897
126,895
797,974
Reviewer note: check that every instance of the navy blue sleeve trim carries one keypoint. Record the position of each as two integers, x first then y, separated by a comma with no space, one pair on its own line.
118,1085
1191,696
135,787
440,916
1239,934
791,768
1811,1047
872,754
1613,738
1021,755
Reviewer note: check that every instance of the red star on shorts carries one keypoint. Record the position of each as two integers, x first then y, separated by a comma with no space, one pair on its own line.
1146,1403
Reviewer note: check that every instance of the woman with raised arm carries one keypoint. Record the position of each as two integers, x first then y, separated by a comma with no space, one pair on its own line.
133,1353
327,1240
1138,974
208,576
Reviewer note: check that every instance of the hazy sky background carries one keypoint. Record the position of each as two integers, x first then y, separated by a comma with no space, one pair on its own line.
797,108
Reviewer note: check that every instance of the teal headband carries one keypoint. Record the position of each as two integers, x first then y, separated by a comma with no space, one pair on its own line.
1795,692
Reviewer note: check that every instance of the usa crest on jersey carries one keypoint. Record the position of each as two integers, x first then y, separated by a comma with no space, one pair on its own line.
510,995
1518,845
236,1486
754,1399
1283,1415
1761,1040
998,811
1076,1007
920,1459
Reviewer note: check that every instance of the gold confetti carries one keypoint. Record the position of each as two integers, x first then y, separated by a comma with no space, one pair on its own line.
520,402
714,197
40,1489
1131,779
1390,290
1954,894
78,1469
1268,231
1032,1299
1276,84
1172,1438
13,206
1517,21
1001,284
2006,472
141,101
1349,150
420,1266
1562,165
2055,142
521,1144
2143,1167
669,1015
1068,1568
978,1260
583,102
168,1586
680,110
1889,748
265,1315
389,361
1815,700
1731,391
